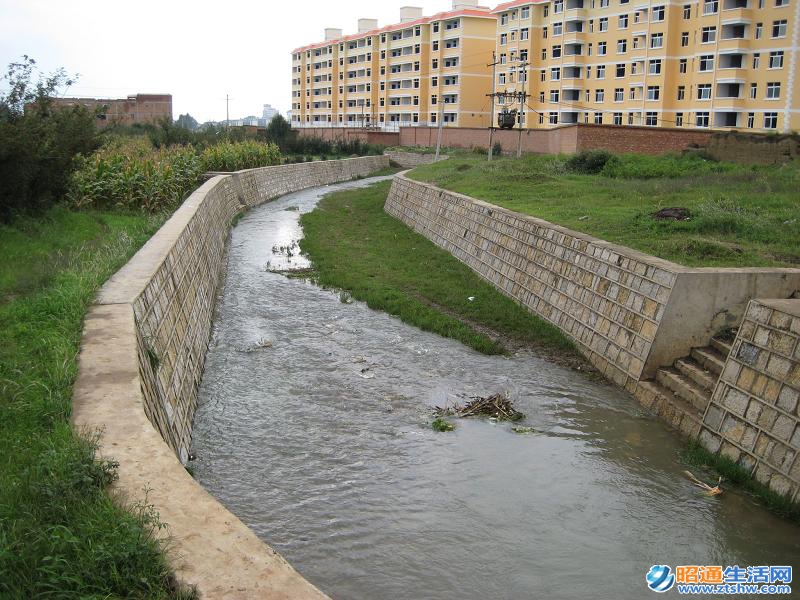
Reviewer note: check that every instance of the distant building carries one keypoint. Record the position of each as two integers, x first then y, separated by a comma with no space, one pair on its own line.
269,113
138,108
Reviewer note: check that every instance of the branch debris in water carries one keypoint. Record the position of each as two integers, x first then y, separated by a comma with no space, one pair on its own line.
496,405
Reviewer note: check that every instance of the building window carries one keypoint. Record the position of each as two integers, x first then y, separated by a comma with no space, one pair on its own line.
704,91
525,12
651,119
599,95
622,46
554,96
503,39
658,13
709,35
546,10
598,118
617,118
682,65
622,22
558,6
751,120
655,66
707,62
656,40
544,32
435,63
756,60
504,19
759,30
542,75
553,118
557,51
681,92
555,73
773,90
779,29
601,71
776,59
687,11
710,7
544,53
684,39
604,24
770,120
619,94
701,119
753,91
679,119
524,33
601,48
435,30
620,72
653,92
558,28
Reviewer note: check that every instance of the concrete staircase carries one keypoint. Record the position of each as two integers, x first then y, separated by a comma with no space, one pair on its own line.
681,393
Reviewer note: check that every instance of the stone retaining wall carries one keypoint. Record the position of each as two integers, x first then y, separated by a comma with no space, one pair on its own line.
754,414
629,312
141,361
408,160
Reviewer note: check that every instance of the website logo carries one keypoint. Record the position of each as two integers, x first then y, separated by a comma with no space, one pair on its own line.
660,578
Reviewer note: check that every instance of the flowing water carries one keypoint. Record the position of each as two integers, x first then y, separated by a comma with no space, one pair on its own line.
313,429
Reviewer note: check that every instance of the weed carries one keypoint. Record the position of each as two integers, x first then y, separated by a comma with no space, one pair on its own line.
440,424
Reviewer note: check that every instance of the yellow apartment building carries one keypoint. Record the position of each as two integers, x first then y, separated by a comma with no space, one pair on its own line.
416,72
720,64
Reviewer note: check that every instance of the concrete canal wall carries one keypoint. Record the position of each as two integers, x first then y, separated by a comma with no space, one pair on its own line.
629,313
141,362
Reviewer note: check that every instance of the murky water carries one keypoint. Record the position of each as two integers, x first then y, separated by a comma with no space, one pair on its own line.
312,429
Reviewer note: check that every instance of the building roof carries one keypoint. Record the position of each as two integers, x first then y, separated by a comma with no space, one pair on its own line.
515,3
465,12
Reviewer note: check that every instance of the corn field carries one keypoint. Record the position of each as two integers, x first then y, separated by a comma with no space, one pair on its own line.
130,173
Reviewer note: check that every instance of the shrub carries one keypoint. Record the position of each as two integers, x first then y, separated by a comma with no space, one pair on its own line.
588,162
37,141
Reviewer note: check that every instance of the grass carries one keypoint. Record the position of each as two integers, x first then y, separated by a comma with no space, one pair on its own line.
696,456
740,215
61,535
356,246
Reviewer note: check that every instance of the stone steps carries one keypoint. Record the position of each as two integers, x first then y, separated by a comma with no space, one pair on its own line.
697,373
679,394
710,359
683,387
721,346
676,411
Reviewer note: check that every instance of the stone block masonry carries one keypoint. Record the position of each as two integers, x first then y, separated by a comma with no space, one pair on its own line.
408,160
631,313
141,362
754,414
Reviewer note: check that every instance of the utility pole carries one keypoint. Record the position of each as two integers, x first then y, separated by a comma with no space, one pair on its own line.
491,113
440,100
523,100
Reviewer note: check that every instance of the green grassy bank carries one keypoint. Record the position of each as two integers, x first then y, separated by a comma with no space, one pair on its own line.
61,535
357,247
739,215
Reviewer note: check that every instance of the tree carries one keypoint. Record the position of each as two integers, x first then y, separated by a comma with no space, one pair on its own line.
278,129
37,140
187,121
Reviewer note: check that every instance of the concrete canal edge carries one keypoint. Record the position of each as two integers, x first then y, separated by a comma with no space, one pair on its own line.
140,365
632,315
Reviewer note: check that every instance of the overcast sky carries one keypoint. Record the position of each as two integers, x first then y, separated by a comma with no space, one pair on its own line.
198,51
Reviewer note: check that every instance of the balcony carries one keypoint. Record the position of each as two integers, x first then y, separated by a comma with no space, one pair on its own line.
736,30
572,72
727,119
729,91
573,49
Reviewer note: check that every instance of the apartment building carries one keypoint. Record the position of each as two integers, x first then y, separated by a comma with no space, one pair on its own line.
416,72
720,64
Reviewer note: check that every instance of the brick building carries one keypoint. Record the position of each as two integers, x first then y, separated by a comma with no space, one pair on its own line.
138,108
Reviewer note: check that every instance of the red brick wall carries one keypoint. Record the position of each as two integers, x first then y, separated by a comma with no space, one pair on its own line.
384,138
140,108
644,140
534,140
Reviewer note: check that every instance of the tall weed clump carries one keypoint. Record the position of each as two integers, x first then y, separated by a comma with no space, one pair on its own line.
668,166
234,156
130,173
